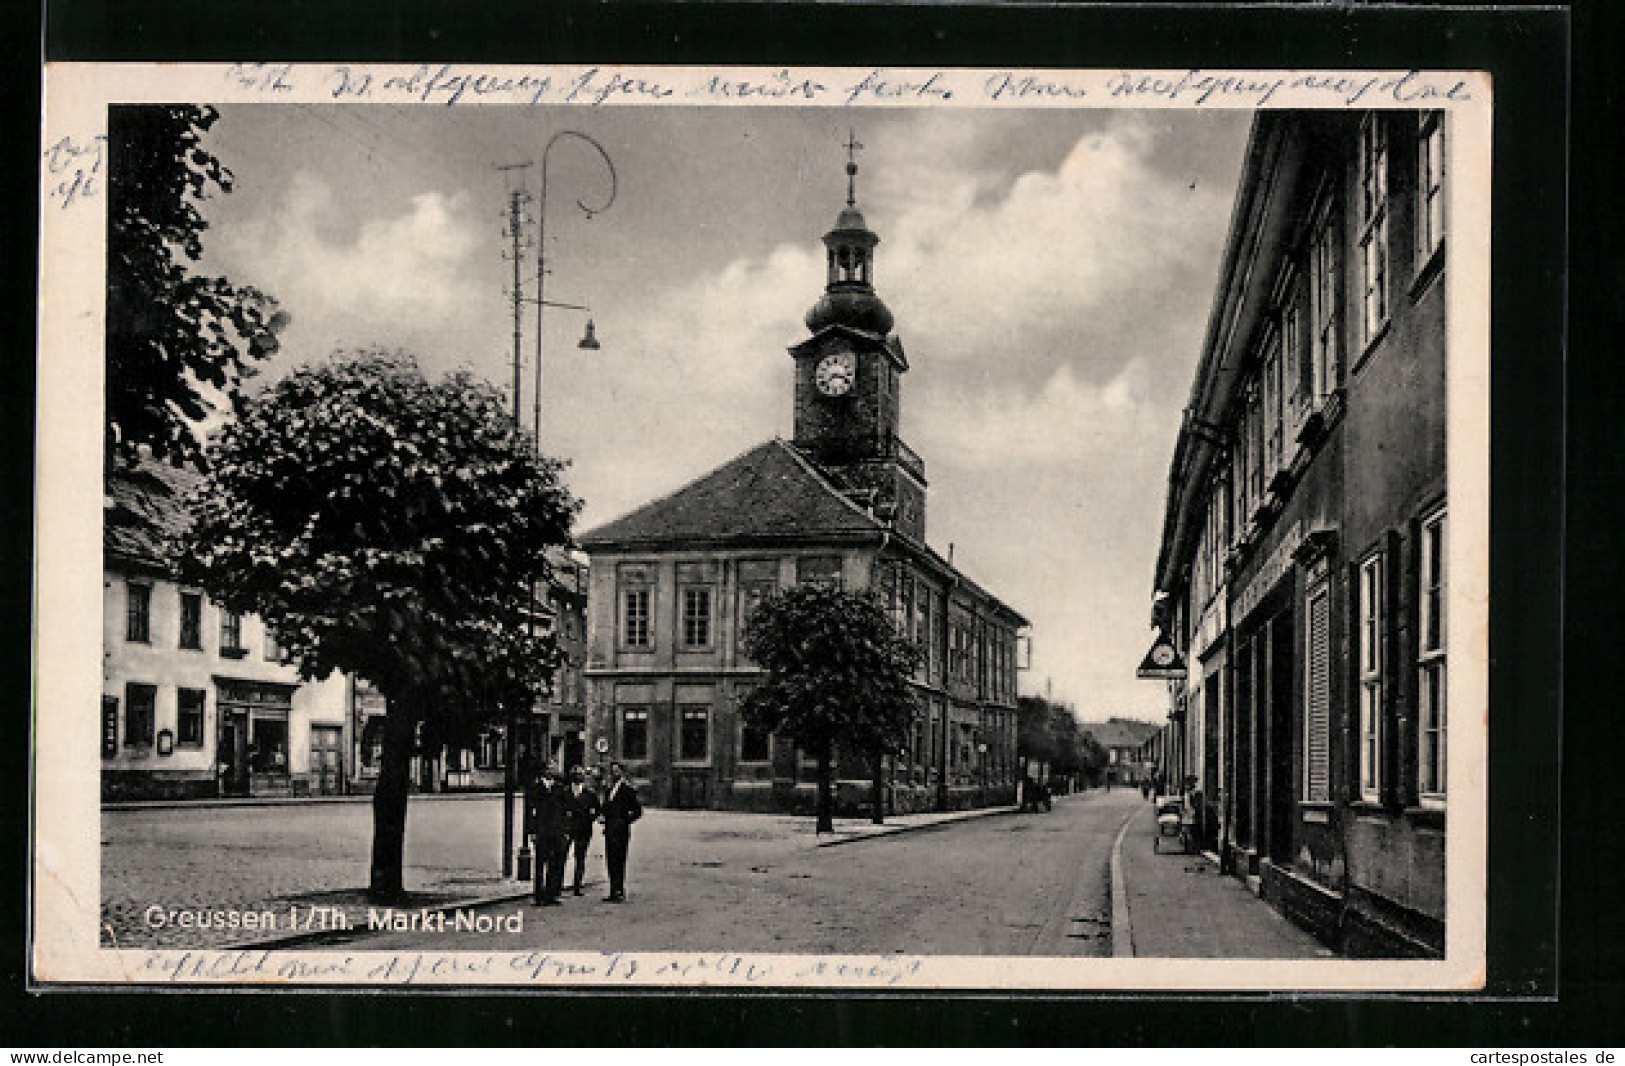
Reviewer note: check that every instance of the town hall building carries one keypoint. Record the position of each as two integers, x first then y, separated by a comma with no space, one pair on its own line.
844,501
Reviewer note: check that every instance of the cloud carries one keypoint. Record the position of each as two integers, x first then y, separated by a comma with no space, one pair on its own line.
401,278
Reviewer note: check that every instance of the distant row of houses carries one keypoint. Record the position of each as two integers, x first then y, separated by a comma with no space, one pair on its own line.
1301,582
198,701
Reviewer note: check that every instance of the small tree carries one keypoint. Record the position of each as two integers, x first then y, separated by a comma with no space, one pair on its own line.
177,341
387,527
835,672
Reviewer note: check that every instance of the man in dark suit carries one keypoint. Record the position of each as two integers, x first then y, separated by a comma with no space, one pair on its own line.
580,812
546,804
621,809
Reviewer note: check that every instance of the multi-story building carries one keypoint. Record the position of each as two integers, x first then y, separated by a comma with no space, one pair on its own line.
555,728
1124,741
198,701
844,501
1301,578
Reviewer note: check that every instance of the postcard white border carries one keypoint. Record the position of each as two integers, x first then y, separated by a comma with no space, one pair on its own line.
65,878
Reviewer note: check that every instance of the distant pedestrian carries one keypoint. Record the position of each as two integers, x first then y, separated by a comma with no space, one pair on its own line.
581,810
621,808
546,805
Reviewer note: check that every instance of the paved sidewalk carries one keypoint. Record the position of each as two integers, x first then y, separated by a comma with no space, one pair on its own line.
1181,906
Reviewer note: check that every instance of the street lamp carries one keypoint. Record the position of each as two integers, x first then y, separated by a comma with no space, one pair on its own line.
589,341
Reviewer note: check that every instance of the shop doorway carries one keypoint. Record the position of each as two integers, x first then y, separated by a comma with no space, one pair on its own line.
326,760
232,753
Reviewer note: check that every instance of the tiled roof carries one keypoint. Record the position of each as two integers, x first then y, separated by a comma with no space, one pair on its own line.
769,492
1121,732
144,509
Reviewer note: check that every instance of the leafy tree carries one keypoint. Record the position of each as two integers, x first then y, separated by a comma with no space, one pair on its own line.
387,527
178,342
836,672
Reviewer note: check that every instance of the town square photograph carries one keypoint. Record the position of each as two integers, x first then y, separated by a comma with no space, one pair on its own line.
582,525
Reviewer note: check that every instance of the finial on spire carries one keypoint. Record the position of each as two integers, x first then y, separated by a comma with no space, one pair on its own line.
852,147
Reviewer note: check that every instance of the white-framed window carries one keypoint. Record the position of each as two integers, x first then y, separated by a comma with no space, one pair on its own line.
1374,223
634,733
191,634
1371,609
189,703
138,613
140,713
694,734
231,632
1293,376
1317,697
1325,286
635,611
696,617
1433,580
1429,186
1273,397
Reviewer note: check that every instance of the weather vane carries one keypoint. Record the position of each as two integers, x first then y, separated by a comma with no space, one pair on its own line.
852,147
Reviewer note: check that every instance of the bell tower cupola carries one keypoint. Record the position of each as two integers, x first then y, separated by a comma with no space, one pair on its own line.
849,292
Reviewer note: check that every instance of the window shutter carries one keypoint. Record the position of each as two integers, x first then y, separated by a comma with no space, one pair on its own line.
1317,710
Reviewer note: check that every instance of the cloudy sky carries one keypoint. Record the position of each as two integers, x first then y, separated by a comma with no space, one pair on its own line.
1050,271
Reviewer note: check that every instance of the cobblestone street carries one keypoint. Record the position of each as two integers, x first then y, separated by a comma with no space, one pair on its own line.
997,884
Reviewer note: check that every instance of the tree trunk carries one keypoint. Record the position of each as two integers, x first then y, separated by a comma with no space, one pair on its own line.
389,805
826,790
877,791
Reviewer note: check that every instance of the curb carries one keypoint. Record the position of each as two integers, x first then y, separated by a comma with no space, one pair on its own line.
1122,926
893,830
281,801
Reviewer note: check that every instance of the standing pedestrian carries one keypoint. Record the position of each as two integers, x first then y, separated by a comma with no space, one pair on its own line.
581,810
552,842
621,809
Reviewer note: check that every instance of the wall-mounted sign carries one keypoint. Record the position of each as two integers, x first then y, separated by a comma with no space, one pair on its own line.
166,742
601,746
109,726
1162,662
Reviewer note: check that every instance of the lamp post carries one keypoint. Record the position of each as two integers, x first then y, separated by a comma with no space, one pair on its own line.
588,341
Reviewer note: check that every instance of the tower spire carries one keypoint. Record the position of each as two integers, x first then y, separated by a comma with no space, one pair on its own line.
852,147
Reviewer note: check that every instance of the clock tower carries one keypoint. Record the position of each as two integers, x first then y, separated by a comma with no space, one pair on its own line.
848,376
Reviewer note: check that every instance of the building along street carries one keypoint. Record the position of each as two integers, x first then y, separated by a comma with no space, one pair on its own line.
1001,883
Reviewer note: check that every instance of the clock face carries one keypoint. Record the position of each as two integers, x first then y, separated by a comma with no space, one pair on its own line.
835,373
1163,655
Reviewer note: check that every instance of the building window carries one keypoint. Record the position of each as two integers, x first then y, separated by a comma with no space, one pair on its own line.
1429,186
1374,222
634,734
694,737
1317,698
1272,406
231,632
752,594
139,710
697,617
1371,680
138,616
1294,369
819,570
1325,283
755,743
189,717
635,630
191,621
1430,732
273,647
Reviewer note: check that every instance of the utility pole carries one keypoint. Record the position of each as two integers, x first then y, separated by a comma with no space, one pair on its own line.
514,230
